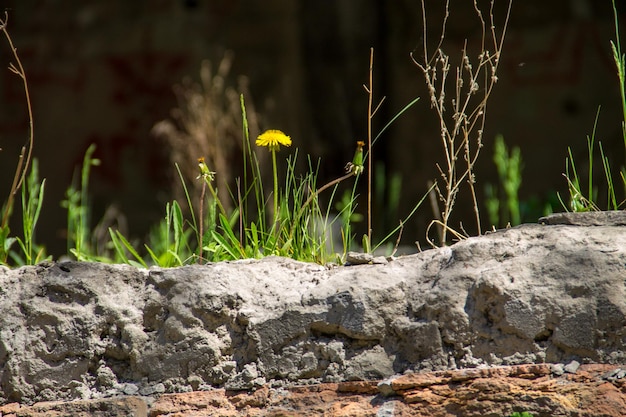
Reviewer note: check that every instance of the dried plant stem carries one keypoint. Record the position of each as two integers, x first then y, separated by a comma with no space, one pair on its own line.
370,96
461,132
371,111
27,151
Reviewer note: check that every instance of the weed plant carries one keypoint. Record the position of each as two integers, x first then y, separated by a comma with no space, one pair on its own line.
79,211
509,166
461,117
289,221
32,201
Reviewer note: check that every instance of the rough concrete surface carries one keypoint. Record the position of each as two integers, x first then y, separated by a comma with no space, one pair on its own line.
532,294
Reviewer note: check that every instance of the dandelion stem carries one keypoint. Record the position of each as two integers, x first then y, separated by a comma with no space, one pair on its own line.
275,186
272,139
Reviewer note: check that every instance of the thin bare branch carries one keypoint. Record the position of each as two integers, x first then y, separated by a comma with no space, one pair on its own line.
461,130
378,106
27,151
370,98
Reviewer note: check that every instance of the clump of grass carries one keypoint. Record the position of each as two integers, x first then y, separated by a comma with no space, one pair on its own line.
509,166
79,211
32,201
583,198
286,221
284,225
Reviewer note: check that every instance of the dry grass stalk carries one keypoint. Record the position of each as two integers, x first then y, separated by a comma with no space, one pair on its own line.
462,123
207,123
26,152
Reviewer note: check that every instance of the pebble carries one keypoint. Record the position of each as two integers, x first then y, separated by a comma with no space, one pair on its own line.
557,369
385,388
360,258
130,389
572,367
386,410
615,374
153,389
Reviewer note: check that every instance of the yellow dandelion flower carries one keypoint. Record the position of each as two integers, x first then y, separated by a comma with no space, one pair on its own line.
273,139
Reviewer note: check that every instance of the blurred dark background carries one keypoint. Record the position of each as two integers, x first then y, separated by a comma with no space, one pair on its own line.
103,72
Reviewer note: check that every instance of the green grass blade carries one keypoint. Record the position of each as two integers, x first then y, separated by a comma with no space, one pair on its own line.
419,203
121,245
157,260
393,119
176,257
178,224
190,205
226,246
232,242
611,199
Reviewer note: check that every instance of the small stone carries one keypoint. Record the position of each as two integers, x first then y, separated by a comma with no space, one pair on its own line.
130,389
611,375
380,260
248,378
152,389
387,409
385,389
557,369
258,382
195,382
106,377
358,258
228,366
79,390
111,393
572,367
249,372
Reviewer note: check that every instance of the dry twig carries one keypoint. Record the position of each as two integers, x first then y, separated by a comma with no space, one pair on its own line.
26,153
462,129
